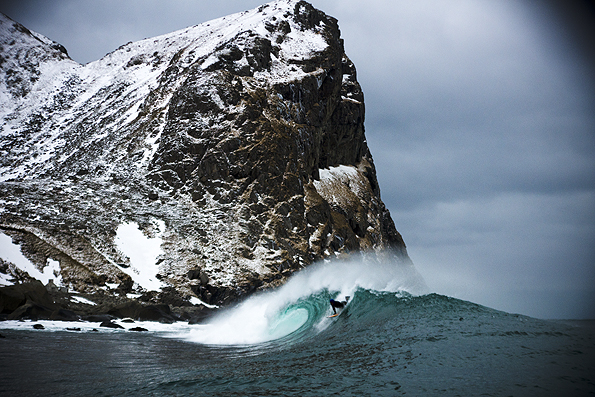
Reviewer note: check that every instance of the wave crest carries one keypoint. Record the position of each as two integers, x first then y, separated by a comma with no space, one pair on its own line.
300,307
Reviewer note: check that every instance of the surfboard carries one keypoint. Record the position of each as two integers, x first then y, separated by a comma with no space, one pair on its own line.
334,315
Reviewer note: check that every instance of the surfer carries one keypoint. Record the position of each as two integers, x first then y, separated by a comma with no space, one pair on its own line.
338,304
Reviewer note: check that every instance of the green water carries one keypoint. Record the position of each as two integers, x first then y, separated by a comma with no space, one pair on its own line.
382,344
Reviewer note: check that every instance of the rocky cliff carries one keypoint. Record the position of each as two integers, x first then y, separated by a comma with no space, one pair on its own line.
236,147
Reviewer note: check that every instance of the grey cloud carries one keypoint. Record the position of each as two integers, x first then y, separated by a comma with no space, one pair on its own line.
483,134
480,118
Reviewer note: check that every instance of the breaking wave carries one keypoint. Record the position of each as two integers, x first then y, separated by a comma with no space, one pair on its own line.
300,308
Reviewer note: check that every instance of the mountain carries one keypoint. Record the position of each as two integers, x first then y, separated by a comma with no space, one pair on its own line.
202,164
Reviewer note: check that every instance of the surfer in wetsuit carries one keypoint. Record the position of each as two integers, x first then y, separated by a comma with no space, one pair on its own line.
338,305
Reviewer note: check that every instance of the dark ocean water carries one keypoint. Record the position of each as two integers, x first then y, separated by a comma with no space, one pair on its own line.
382,344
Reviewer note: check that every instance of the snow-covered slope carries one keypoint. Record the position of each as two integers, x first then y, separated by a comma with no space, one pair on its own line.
50,98
220,139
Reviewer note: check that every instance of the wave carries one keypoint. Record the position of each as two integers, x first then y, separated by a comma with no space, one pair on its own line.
300,308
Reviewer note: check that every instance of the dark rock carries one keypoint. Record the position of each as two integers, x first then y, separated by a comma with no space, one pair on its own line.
126,285
194,274
138,329
64,315
170,296
38,326
110,324
17,295
129,309
51,287
98,318
204,279
148,297
73,329
160,313
31,311
138,311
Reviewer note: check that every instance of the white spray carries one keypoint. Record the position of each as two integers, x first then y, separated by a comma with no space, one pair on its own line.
259,319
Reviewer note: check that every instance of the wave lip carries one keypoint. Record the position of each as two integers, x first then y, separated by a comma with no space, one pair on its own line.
301,305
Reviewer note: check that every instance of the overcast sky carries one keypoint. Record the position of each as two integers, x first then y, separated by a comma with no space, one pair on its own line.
480,117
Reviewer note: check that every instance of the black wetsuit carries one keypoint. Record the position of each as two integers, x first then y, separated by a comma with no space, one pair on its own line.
337,305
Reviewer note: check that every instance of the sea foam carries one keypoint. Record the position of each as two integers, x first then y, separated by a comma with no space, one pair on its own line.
275,314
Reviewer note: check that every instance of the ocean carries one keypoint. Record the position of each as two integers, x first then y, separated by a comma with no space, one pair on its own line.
387,341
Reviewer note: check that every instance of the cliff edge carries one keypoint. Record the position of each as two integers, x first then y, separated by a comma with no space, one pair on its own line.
233,152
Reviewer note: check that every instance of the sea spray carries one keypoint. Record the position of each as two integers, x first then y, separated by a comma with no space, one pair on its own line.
301,305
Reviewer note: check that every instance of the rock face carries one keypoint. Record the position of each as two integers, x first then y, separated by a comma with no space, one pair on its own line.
236,146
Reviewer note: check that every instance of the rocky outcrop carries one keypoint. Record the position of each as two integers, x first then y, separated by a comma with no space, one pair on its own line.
237,144
33,301
30,298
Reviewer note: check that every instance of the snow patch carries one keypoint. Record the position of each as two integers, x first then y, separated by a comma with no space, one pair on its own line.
80,299
5,280
344,98
52,272
195,301
12,253
336,173
142,252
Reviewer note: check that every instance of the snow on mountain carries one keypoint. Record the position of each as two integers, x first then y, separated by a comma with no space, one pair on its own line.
71,92
226,143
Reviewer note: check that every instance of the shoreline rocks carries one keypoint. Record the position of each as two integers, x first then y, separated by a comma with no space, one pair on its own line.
31,301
